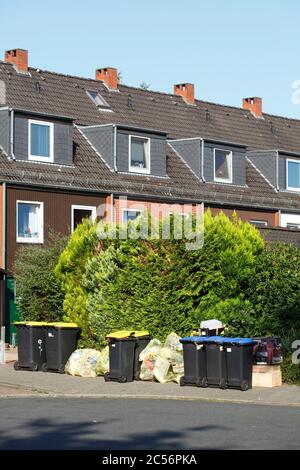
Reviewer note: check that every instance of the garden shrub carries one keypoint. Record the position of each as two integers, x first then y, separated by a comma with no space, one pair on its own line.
157,284
70,269
39,294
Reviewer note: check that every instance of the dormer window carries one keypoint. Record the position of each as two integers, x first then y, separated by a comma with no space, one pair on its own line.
293,175
139,154
40,141
222,166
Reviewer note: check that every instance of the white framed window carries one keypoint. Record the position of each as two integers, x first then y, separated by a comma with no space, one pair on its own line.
290,220
130,214
293,175
139,154
259,223
30,222
40,141
222,166
79,213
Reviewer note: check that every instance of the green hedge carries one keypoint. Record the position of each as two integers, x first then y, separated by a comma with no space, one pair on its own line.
39,293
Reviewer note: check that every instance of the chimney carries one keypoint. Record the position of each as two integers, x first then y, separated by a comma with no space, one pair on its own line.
109,76
186,90
18,57
254,105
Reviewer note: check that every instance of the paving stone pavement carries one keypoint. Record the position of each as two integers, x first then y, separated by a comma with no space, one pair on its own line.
52,384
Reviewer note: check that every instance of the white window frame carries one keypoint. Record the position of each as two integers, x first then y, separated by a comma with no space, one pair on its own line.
40,158
223,180
130,210
93,209
136,169
291,160
39,240
259,223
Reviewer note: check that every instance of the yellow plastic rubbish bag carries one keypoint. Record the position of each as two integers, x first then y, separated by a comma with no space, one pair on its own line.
172,341
161,369
151,350
83,363
103,362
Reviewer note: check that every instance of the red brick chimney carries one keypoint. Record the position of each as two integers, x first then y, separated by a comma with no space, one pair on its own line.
254,105
109,76
18,57
186,90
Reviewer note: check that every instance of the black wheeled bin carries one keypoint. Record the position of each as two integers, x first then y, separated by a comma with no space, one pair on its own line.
142,340
31,345
215,362
194,361
61,341
121,359
239,360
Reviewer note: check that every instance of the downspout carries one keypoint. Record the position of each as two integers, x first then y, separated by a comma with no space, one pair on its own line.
11,137
112,218
277,171
115,148
3,247
279,217
202,160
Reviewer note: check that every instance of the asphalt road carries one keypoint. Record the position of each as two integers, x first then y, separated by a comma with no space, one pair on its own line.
101,424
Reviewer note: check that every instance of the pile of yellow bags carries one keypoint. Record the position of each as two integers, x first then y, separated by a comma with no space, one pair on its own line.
163,362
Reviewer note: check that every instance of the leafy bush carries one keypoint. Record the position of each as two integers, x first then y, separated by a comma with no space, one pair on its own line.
274,290
39,294
290,372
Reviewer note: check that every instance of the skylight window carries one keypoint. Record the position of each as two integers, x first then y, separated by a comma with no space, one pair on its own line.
98,100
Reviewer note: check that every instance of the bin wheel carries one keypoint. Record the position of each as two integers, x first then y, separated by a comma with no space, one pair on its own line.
44,367
17,365
223,384
61,369
203,383
182,381
122,379
106,377
34,367
244,385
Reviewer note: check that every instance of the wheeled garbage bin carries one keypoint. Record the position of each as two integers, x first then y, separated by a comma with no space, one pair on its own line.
142,339
121,358
194,361
239,360
61,341
31,345
215,362
125,347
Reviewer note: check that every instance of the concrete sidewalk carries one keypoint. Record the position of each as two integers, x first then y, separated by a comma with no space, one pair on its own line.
62,385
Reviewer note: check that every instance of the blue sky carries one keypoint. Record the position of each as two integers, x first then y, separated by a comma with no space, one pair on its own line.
229,49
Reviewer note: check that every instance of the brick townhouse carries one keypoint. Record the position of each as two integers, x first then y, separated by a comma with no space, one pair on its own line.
69,145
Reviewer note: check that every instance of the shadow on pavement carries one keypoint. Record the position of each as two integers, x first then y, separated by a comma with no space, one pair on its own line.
45,434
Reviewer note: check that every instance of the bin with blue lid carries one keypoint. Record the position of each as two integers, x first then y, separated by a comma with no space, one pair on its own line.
194,360
216,361
239,362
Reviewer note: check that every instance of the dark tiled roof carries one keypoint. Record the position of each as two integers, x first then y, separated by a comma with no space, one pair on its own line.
285,235
66,96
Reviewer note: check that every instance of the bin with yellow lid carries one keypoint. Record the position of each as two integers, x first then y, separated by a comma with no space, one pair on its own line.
31,345
61,341
125,347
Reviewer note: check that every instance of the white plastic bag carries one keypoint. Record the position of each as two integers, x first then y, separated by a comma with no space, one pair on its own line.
161,369
172,341
151,350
